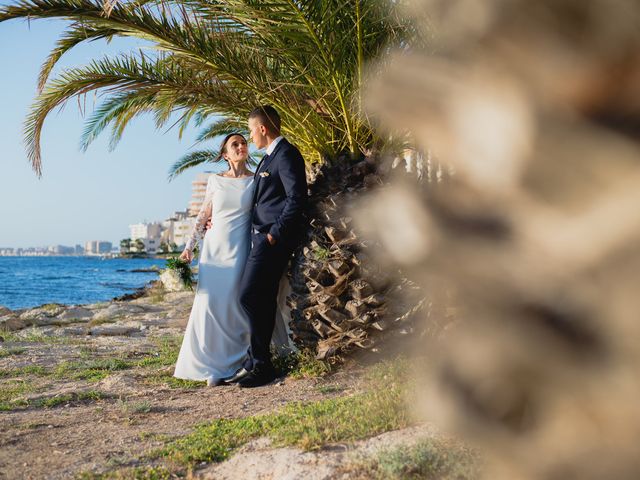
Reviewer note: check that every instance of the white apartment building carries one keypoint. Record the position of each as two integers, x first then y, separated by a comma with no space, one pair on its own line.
177,228
97,247
199,190
149,233
182,230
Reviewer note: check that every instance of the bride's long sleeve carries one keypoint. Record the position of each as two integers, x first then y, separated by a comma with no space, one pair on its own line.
200,227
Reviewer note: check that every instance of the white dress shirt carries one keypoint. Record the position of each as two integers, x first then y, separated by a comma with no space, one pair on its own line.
272,145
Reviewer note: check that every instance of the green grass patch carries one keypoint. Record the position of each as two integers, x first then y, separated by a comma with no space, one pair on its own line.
90,370
7,352
101,321
137,473
167,378
51,307
36,335
50,402
23,371
11,391
428,459
304,425
325,389
302,364
140,407
321,253
166,355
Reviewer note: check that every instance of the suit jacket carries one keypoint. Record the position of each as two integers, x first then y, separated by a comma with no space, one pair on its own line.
280,194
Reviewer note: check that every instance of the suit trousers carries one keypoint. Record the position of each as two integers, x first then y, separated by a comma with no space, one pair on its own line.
258,295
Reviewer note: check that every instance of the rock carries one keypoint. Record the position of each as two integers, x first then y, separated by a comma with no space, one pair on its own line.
116,311
71,331
46,321
45,311
116,329
11,323
172,282
4,311
77,314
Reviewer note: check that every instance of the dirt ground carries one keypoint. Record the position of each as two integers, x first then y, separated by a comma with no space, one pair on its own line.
62,420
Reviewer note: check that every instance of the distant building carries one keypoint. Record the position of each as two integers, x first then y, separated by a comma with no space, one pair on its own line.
199,190
149,233
97,247
61,250
182,231
7,252
79,250
177,228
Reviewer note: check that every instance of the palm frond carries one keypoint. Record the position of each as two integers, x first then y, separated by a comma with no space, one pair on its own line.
193,159
221,58
222,127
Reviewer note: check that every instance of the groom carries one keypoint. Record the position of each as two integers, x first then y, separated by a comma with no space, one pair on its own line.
277,224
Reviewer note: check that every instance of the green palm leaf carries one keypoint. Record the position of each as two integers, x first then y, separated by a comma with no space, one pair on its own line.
220,59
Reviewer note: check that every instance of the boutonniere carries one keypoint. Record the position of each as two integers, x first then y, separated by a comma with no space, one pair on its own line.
264,174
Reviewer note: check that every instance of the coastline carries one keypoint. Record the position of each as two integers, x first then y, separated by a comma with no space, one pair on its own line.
109,317
32,282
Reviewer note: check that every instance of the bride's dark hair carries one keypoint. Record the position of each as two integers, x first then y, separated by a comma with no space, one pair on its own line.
223,145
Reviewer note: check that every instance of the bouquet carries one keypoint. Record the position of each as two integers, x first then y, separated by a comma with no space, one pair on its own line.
183,269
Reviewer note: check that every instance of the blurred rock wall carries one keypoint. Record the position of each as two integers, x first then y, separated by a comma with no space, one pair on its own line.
535,241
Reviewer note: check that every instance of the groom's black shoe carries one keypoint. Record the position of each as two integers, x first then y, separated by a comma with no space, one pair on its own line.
239,375
258,377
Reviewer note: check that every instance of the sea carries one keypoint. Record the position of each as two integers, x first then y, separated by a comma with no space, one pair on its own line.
27,282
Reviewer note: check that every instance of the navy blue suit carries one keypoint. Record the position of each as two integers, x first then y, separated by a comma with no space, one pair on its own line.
279,202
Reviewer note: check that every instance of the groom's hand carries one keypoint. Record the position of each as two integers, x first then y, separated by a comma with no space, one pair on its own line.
270,239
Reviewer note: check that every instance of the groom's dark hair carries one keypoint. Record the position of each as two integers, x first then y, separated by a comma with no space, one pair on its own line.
268,116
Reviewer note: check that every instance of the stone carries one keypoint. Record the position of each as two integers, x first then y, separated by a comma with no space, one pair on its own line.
71,331
116,311
46,321
172,282
45,311
120,329
76,313
11,323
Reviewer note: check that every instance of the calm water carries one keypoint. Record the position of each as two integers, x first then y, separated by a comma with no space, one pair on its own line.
31,281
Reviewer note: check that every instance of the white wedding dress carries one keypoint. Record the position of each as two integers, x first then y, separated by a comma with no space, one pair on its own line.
217,336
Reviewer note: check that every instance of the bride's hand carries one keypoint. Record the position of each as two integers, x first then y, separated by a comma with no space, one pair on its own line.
186,256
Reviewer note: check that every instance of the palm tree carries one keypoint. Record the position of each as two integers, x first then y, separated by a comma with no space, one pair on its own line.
213,61
139,246
125,246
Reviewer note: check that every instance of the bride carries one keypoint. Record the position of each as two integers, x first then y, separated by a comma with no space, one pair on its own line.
217,335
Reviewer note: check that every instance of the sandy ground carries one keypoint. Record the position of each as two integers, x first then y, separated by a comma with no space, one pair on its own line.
135,415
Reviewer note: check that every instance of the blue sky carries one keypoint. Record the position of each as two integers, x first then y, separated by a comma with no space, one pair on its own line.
81,196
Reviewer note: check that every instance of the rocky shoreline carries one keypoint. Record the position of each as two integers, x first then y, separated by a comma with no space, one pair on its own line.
127,314
120,312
